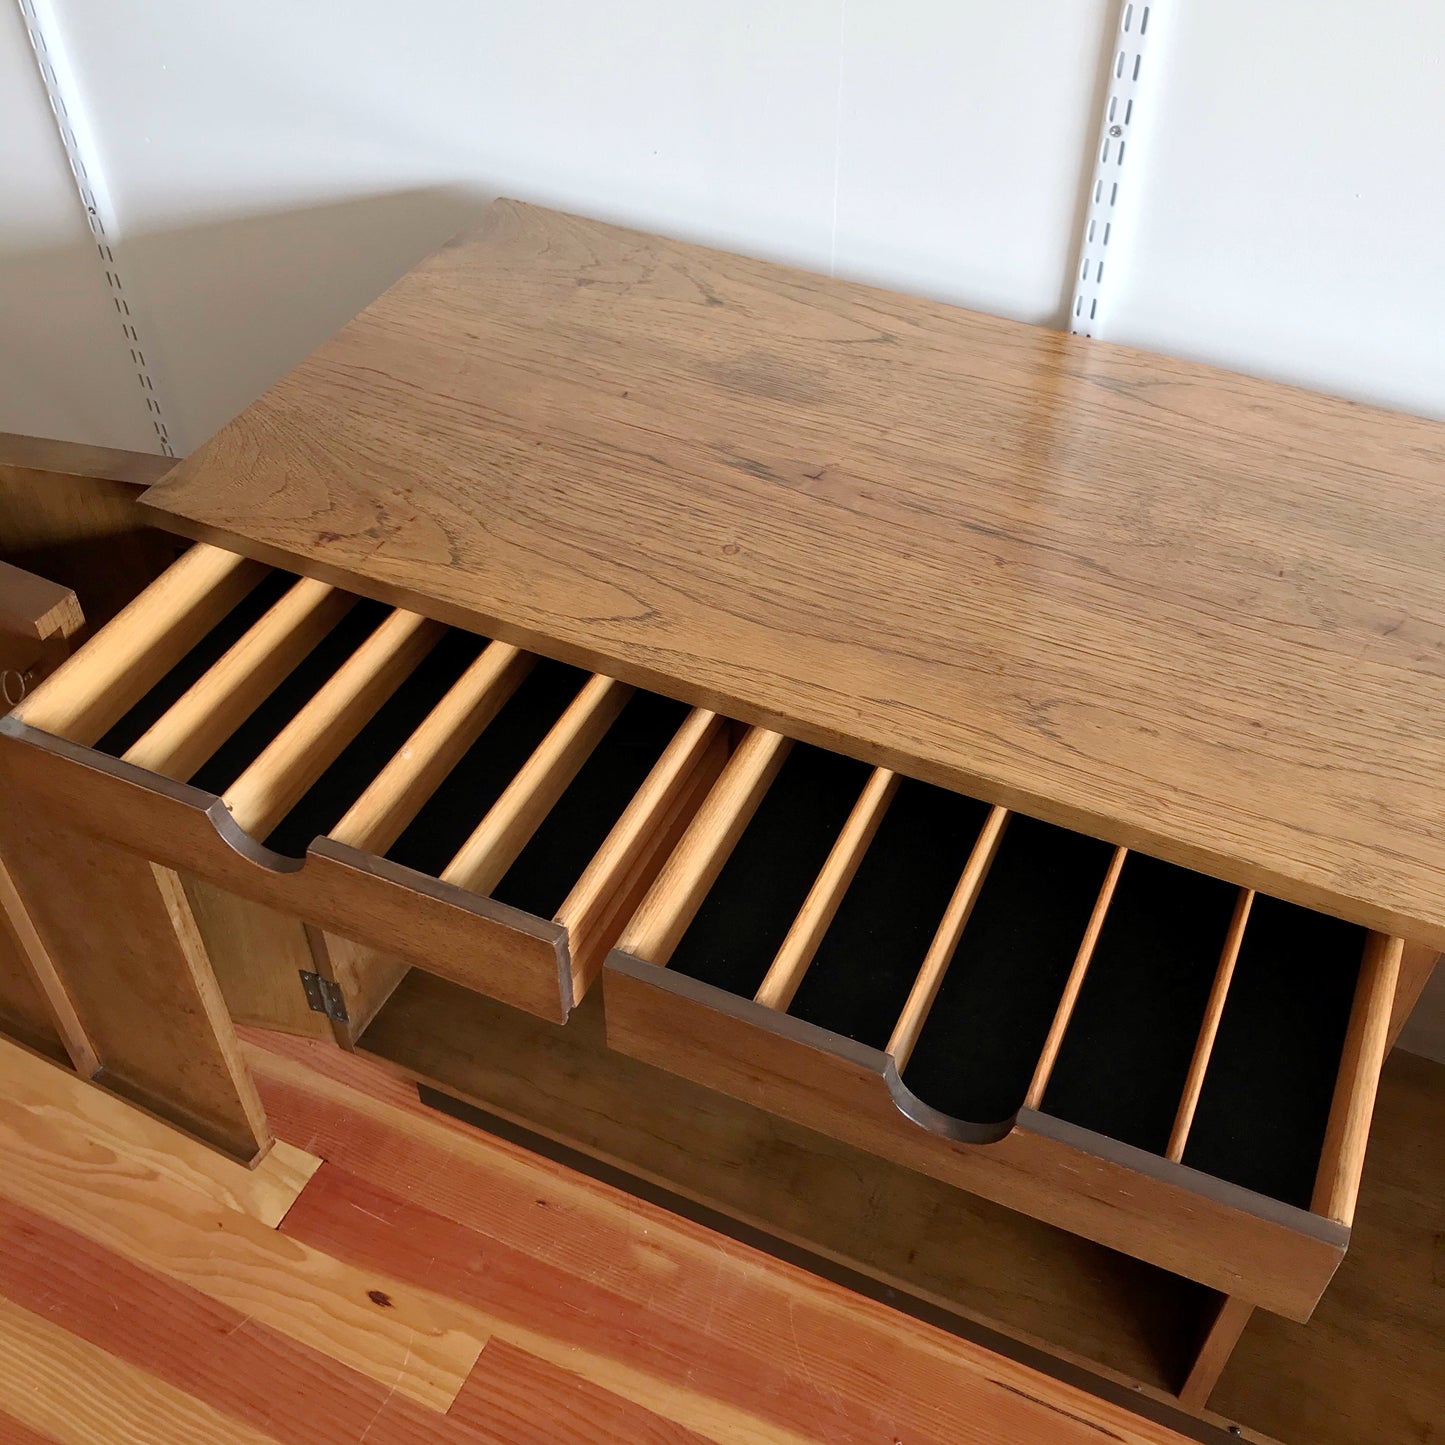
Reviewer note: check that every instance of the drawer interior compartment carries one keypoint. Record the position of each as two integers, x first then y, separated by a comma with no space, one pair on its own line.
1161,1061
356,789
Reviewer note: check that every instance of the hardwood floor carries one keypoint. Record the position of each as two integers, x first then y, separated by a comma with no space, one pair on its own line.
393,1277
429,1285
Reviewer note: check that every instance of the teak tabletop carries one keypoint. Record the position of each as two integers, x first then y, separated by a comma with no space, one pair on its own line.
1185,610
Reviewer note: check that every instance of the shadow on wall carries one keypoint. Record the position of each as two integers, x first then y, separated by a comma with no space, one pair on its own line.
229,305
223,308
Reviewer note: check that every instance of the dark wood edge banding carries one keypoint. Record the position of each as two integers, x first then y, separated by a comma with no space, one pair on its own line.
965,1131
274,879
1140,1161
477,904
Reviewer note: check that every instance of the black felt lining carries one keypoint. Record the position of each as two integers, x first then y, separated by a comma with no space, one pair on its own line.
1266,1100
566,840
320,809
208,651
866,964
978,1051
1126,1053
448,817
749,909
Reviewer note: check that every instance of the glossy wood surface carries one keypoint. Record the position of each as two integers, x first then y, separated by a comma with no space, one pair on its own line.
1190,612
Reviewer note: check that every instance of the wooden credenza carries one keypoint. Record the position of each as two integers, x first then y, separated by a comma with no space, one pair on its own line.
621,684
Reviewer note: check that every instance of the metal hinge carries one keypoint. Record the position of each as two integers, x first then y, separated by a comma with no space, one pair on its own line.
323,996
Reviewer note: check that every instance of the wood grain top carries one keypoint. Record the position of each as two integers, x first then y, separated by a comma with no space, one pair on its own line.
1188,611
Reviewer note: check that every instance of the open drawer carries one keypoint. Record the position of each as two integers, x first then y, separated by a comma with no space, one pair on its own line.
1143,1055
349,790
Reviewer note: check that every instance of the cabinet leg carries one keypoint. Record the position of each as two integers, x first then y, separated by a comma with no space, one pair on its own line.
123,943
35,1008
1220,1338
1417,963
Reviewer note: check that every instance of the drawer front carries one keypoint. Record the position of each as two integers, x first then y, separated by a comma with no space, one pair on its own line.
364,788
1169,1065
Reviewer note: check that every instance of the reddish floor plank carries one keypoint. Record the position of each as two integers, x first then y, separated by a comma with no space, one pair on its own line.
829,1369
532,1402
12,1432
207,1349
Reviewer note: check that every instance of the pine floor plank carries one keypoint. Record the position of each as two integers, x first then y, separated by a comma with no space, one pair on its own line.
402,1336
207,1349
77,1394
101,1133
821,1363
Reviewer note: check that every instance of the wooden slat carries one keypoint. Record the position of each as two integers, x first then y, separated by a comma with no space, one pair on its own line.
494,844
34,966
214,706
394,797
100,683
402,1336
112,1142
278,779
686,877
35,607
1065,1011
1209,1028
757,490
1342,1159
1220,1338
594,912
945,940
796,951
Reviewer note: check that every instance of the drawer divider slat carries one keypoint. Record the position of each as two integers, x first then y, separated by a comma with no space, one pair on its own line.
675,897
400,790
93,689
945,940
1337,1185
297,756
590,912
1065,1011
1209,1029
796,951
186,735
482,861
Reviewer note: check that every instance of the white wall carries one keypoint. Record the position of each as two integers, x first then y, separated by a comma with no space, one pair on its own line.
63,368
274,165
1292,212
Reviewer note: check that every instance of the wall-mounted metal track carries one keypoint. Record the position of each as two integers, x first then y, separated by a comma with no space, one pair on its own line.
62,90
1139,21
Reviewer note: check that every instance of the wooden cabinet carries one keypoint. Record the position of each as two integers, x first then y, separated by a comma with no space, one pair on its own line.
718,689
